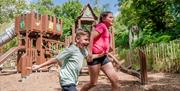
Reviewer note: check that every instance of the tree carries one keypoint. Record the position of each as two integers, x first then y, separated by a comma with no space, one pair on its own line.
153,17
10,8
68,12
43,7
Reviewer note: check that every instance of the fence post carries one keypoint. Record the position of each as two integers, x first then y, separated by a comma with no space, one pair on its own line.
143,67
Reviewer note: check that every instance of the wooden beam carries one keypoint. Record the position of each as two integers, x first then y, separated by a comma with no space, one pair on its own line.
124,69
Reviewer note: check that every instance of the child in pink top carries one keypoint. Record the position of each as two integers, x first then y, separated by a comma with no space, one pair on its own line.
100,45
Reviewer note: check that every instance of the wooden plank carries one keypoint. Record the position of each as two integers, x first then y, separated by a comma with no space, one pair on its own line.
7,54
124,69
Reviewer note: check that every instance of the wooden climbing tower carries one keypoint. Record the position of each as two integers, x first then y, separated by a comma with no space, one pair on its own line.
38,39
87,19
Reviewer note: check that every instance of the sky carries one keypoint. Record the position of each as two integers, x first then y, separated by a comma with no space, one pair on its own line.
112,4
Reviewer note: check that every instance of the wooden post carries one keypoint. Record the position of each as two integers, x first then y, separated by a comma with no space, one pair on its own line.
29,60
79,23
19,60
1,49
61,26
25,57
143,67
40,57
23,66
65,40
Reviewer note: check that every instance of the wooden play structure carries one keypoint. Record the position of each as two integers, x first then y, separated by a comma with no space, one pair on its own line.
39,39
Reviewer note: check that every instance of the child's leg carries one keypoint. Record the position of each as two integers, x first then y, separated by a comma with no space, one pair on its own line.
94,73
110,72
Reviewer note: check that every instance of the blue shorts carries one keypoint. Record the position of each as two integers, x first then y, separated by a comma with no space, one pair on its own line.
102,60
69,87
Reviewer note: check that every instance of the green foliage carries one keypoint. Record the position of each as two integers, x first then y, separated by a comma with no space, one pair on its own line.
68,12
122,53
131,58
164,38
158,20
43,7
122,41
147,39
12,43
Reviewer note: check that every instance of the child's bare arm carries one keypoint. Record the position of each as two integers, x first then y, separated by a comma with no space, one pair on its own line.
51,61
94,34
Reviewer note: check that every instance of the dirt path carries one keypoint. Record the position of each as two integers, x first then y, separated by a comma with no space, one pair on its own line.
48,81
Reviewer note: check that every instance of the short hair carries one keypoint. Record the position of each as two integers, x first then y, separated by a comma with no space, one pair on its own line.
81,32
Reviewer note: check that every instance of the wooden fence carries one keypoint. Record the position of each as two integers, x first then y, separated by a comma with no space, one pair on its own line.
164,57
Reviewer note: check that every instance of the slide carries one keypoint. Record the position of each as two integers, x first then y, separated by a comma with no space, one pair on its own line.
7,35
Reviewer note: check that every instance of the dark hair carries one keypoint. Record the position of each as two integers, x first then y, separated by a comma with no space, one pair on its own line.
103,14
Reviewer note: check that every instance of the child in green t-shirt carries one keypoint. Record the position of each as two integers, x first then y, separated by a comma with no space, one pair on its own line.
73,57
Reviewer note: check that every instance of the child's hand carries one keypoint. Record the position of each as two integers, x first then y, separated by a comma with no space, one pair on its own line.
89,57
34,67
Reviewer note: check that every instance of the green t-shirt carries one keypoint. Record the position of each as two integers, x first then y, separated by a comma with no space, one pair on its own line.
73,59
